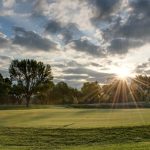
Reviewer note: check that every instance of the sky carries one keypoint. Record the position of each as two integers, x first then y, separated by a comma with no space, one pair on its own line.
82,40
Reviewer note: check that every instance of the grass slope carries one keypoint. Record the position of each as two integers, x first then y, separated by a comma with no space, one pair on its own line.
59,117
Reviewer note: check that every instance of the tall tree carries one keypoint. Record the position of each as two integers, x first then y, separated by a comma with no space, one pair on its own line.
33,75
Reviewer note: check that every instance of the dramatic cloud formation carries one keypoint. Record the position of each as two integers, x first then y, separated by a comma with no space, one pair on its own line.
83,40
32,40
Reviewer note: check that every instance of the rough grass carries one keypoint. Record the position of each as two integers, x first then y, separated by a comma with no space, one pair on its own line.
87,139
60,117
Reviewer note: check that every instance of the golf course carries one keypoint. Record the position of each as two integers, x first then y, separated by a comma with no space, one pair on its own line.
59,127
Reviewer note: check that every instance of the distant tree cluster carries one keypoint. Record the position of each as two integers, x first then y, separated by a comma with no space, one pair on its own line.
32,82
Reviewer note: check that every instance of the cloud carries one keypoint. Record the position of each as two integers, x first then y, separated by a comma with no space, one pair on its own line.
137,25
53,27
32,40
8,3
122,45
136,28
141,6
75,76
68,32
124,27
66,11
4,42
93,75
4,62
104,7
5,58
88,47
143,68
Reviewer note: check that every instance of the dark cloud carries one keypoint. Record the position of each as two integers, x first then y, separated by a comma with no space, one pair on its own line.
93,75
138,24
88,47
136,28
104,7
32,40
4,58
142,6
53,27
69,31
95,64
124,35
122,45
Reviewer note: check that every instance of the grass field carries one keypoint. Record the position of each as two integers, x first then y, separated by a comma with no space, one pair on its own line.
81,129
60,117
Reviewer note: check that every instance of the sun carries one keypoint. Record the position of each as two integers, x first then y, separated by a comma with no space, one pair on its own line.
122,72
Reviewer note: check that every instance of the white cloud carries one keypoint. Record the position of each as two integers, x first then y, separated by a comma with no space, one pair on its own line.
67,11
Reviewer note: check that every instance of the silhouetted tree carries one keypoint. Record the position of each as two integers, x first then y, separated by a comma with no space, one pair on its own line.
5,87
31,74
17,92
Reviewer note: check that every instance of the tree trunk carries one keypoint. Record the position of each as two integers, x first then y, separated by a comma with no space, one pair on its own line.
27,101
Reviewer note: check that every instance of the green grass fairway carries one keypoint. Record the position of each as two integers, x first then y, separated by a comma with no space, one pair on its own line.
59,117
60,128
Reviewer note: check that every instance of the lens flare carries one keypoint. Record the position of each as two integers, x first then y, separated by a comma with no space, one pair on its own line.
122,72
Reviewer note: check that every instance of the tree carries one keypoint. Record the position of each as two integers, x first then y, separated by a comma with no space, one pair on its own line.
45,94
91,92
142,86
17,92
117,91
61,93
33,76
5,86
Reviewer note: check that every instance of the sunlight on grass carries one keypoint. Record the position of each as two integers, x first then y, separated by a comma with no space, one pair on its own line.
74,118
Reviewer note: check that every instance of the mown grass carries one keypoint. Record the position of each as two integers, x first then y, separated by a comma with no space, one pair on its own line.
60,117
88,139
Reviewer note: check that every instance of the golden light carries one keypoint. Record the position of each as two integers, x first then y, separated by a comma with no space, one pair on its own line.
122,72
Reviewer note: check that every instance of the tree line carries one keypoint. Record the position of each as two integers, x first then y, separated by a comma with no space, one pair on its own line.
30,81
